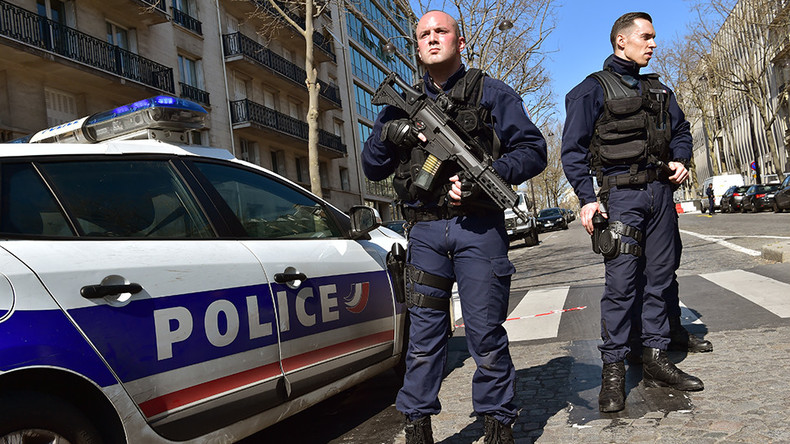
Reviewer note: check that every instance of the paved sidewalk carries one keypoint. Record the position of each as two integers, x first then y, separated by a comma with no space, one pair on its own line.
746,397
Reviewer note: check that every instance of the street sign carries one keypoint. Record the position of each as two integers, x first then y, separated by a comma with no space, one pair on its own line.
753,166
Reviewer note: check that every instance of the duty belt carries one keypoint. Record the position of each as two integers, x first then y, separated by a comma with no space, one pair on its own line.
624,180
426,214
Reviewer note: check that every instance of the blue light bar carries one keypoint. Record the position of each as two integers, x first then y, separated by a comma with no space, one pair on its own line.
160,112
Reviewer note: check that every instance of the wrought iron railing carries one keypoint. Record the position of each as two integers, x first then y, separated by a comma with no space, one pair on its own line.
187,21
246,111
239,44
192,93
39,32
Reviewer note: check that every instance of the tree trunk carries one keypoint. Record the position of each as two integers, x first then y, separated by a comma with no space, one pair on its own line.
312,103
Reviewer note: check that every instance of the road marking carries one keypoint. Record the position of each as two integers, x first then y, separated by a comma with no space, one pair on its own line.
723,243
688,317
526,325
763,291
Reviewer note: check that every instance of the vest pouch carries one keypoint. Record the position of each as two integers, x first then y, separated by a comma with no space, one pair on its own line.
627,152
624,106
627,129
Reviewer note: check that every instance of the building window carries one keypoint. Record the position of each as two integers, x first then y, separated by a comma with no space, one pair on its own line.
248,151
278,162
323,172
302,170
345,183
185,14
118,36
190,72
61,106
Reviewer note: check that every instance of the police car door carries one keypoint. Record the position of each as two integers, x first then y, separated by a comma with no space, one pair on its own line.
184,320
333,297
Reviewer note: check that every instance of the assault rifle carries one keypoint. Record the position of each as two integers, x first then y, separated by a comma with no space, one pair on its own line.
446,140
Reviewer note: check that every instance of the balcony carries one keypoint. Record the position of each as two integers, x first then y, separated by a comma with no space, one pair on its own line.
149,12
194,94
237,44
41,34
182,18
246,112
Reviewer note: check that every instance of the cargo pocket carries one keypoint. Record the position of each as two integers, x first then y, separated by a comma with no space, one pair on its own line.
502,269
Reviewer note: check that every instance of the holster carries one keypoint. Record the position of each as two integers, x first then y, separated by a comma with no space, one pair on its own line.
396,265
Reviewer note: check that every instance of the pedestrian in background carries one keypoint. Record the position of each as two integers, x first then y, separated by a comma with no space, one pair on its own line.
456,232
709,193
628,130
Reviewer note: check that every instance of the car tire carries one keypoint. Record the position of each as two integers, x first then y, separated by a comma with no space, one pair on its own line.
40,417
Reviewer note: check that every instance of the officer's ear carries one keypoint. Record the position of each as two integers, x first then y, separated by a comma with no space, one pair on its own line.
461,43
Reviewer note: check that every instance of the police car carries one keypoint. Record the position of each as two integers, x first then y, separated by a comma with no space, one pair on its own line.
153,291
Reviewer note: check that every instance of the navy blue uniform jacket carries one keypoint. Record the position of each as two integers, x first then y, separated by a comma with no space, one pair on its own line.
523,149
583,107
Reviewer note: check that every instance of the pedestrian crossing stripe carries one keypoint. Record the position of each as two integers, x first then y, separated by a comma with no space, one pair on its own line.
768,293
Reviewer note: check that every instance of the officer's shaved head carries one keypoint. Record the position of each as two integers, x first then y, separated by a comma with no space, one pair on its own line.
626,21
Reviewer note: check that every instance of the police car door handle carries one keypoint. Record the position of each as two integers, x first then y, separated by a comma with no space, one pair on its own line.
282,278
100,291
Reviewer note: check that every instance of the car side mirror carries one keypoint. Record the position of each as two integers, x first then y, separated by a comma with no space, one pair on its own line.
363,220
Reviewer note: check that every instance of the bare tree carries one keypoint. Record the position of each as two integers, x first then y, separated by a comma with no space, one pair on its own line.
287,11
551,184
742,41
516,55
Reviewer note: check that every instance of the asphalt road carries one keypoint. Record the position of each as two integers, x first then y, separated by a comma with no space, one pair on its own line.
366,413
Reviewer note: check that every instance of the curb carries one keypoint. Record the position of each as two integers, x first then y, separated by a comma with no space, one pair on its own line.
777,252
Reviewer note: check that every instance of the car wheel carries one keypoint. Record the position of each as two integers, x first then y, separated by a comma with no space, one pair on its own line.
39,417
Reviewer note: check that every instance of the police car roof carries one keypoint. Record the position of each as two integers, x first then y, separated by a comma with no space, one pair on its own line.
111,147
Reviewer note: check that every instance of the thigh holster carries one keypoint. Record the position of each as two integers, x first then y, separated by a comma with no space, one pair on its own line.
610,243
417,299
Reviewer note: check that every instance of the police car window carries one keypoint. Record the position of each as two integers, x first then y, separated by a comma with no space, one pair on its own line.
127,198
268,209
26,205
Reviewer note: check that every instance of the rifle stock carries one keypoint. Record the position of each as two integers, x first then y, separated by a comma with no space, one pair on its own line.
445,143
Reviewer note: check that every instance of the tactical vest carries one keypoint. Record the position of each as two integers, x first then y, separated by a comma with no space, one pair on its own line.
462,104
634,128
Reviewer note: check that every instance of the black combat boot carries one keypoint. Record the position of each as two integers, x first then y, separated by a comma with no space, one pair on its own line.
681,340
659,371
612,396
497,432
419,431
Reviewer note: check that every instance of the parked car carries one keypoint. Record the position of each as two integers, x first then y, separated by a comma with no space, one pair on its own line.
720,184
552,219
782,196
518,228
758,198
155,292
398,226
731,201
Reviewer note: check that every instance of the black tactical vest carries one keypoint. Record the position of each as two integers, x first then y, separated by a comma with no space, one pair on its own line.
462,104
634,129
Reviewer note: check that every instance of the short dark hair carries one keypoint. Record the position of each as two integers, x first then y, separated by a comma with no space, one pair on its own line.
626,21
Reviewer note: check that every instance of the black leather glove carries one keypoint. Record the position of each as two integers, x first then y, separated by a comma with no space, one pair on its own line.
401,133
469,188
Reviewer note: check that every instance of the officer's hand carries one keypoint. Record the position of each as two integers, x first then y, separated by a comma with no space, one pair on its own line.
586,215
456,190
681,173
401,133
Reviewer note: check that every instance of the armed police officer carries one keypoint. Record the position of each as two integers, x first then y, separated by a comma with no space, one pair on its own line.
626,130
457,234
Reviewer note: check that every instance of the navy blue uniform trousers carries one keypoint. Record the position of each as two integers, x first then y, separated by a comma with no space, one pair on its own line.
473,251
649,278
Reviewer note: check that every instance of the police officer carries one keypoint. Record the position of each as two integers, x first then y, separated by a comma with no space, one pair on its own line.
456,232
629,131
